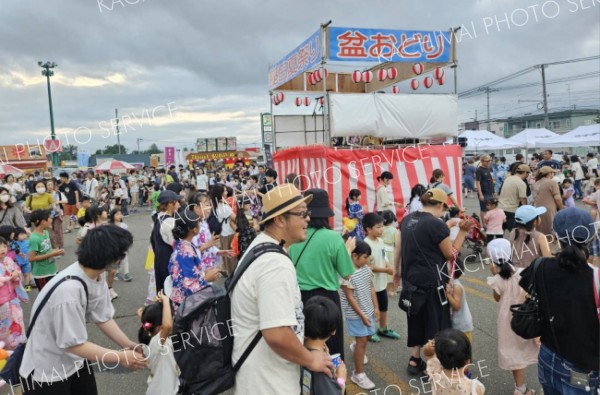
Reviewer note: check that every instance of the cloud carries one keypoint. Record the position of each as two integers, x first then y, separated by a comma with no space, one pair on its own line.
211,58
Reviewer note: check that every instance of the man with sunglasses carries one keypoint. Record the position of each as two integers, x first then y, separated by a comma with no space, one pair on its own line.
267,299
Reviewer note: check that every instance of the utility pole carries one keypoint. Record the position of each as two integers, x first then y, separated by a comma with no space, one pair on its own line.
455,60
546,123
47,72
487,90
118,134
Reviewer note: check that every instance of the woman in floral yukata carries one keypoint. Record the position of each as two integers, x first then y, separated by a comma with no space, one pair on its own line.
190,270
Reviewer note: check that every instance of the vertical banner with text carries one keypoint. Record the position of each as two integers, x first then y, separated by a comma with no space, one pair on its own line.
169,156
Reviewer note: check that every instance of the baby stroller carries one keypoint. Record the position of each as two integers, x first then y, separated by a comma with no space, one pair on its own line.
475,240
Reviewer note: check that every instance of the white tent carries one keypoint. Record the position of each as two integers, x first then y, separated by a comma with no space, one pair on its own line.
583,136
533,138
482,140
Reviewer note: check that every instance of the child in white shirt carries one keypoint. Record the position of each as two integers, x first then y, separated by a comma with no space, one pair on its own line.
157,325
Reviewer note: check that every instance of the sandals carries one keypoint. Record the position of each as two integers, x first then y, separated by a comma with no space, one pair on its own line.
416,369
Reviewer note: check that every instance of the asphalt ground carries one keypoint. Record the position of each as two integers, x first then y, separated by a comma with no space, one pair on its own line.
387,360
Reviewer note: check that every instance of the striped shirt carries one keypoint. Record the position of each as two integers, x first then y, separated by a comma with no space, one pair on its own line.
361,281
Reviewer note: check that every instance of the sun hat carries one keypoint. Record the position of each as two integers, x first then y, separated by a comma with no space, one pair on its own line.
282,199
547,170
319,205
574,225
527,213
437,195
499,249
168,196
523,169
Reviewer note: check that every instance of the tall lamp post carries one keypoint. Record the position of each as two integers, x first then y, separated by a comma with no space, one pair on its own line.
47,72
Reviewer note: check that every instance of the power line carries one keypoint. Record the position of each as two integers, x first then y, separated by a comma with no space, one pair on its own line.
478,90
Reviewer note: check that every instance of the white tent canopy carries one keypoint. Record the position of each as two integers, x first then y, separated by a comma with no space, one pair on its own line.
533,138
583,136
482,140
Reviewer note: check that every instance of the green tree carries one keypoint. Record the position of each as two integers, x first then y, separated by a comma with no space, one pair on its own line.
69,152
153,150
111,150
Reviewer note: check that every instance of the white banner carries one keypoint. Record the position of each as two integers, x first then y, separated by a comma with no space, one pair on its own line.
394,115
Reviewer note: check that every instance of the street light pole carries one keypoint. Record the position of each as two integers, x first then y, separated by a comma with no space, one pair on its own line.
47,72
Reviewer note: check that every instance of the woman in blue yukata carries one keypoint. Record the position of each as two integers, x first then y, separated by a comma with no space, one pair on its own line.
190,273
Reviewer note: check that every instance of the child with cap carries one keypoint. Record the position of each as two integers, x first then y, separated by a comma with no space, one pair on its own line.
514,352
527,242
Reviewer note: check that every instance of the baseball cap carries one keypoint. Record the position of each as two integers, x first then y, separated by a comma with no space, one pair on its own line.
499,249
546,170
438,195
574,225
527,213
168,196
524,169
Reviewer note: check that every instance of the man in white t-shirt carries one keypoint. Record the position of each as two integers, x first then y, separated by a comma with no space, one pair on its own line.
91,185
267,298
125,197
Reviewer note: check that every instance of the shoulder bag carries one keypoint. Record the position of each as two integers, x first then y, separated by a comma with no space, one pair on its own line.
526,317
305,245
10,373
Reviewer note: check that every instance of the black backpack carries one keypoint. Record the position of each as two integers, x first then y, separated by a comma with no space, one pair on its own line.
215,226
203,333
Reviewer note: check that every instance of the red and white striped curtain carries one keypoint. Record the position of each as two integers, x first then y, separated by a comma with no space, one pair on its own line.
340,170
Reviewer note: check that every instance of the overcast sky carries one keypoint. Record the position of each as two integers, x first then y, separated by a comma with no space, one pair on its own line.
201,66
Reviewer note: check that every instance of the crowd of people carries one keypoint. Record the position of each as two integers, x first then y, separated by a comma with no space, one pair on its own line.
329,283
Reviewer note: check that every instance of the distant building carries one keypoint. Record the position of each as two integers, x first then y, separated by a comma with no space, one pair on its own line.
559,122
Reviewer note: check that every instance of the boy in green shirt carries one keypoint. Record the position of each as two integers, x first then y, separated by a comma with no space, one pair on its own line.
41,253
153,198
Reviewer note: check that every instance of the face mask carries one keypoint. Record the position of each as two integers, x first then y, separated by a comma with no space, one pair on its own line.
41,190
4,198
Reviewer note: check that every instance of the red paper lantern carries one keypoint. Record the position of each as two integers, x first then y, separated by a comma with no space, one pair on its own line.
392,73
395,89
298,101
356,76
307,101
382,74
280,97
414,84
428,82
417,68
441,80
311,79
438,73
318,76
367,76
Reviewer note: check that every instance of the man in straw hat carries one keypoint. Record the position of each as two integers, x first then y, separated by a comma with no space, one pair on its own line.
267,298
